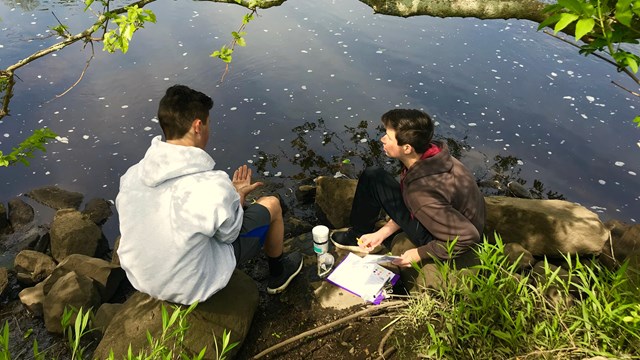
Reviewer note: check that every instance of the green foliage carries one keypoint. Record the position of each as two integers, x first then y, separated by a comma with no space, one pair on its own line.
603,25
225,52
26,148
493,311
60,29
77,332
118,39
4,342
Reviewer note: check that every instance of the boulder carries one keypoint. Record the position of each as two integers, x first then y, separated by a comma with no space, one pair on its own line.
32,267
625,240
4,280
20,213
33,299
98,210
106,276
115,260
334,198
231,308
54,197
4,221
71,292
545,227
106,312
73,233
516,252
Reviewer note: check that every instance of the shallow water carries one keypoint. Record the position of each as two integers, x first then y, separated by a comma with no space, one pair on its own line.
498,86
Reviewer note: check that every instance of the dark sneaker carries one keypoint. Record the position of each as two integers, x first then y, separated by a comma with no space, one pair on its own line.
346,239
292,264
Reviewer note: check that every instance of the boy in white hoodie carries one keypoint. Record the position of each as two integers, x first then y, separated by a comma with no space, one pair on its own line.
182,224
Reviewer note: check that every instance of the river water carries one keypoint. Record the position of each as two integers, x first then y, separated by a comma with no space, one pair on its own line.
322,72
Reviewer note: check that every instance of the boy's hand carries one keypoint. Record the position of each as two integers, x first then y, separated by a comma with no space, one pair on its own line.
407,258
368,242
242,181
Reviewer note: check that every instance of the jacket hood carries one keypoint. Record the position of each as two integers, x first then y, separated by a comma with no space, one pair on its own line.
164,161
437,164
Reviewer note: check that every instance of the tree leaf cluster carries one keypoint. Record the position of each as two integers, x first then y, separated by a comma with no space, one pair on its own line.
25,150
602,25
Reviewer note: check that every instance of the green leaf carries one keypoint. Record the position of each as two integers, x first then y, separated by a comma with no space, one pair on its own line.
573,5
583,27
548,21
624,14
565,20
637,120
241,42
632,63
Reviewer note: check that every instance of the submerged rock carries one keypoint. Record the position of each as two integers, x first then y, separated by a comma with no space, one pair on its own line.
56,198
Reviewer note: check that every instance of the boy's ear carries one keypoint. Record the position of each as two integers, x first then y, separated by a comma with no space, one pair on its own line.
407,149
197,126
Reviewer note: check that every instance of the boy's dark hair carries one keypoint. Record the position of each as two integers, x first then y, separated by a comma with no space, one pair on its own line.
413,127
179,107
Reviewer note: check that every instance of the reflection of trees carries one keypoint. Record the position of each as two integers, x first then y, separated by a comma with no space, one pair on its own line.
360,145
26,5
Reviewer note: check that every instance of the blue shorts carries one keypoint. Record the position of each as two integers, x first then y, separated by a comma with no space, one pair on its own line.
253,233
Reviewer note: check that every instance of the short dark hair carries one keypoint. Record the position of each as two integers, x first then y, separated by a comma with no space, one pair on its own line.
179,107
412,126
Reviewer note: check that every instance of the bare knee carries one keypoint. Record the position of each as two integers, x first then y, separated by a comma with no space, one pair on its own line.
272,204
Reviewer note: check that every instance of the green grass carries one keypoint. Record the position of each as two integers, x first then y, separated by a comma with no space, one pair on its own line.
496,312
168,346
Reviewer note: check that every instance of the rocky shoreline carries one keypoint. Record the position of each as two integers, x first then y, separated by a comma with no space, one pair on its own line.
69,261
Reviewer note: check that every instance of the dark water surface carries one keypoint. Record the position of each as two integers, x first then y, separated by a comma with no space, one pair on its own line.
500,87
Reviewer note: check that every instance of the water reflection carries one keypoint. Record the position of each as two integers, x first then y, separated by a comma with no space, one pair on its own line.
500,89
359,145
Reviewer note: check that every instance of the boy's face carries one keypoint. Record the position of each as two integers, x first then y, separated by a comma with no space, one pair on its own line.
390,144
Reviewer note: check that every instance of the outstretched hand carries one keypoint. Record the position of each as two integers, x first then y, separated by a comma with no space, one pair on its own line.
242,182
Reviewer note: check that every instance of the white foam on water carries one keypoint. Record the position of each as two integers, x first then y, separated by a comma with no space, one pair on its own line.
124,106
619,163
233,108
590,98
632,173
601,182
147,128
472,124
86,137
277,174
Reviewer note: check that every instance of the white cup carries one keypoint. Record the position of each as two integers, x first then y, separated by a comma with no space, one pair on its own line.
320,239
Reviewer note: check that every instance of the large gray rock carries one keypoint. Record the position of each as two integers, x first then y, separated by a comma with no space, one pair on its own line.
545,227
73,233
334,198
106,276
56,198
72,291
231,308
21,214
32,266
33,299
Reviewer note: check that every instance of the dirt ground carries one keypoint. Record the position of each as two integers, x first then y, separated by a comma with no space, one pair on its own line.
297,311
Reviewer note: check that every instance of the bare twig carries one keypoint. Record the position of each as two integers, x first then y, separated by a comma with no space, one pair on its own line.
86,66
59,22
392,304
383,341
625,89
387,353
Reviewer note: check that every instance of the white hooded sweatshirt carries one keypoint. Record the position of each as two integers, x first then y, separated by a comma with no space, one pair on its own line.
178,218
